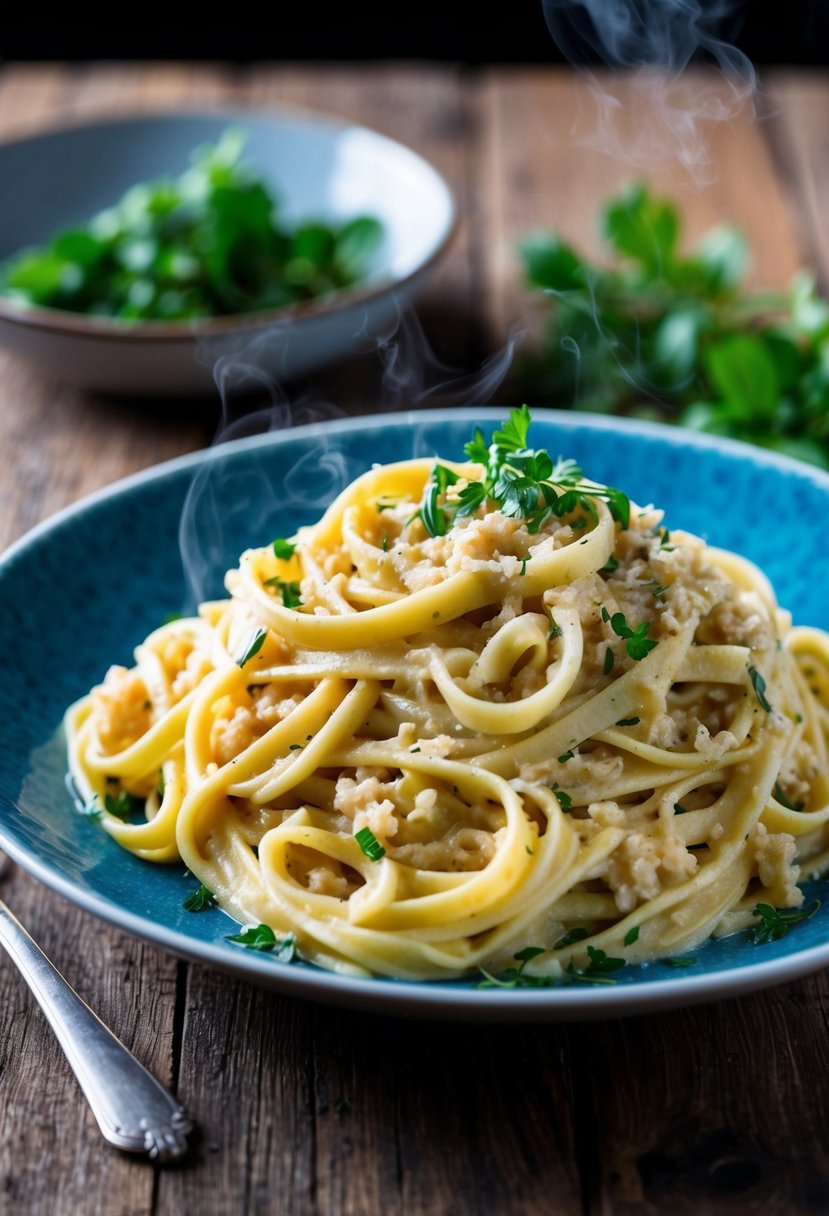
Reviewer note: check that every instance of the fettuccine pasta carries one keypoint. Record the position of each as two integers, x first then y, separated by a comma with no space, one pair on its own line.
477,707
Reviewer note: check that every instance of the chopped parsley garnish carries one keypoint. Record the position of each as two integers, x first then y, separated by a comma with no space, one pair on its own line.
564,800
253,647
759,685
597,969
775,924
370,845
632,935
433,517
610,565
784,800
524,561
659,590
283,549
554,631
515,977
199,900
609,660
679,809
291,597
385,542
571,937
637,642
565,756
628,721
262,937
123,806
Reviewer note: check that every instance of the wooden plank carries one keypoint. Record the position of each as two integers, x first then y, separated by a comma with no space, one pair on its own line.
312,1111
714,1109
796,125
542,169
58,445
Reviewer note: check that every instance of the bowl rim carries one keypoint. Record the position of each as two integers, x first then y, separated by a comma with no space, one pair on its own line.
92,327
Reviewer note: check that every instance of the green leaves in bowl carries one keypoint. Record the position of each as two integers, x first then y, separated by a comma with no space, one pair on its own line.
208,243
666,334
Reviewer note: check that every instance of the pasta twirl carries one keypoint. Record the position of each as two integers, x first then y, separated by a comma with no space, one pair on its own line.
476,707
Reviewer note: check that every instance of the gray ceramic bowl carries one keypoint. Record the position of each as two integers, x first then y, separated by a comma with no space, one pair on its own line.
316,166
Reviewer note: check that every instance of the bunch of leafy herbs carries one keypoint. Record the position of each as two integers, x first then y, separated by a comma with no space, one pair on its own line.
519,481
673,336
208,243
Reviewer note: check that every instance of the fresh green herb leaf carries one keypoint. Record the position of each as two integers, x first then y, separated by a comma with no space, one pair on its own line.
679,809
628,721
290,592
123,806
562,759
434,517
609,660
610,565
369,844
554,631
637,643
211,242
516,977
632,935
258,937
599,966
199,900
759,685
253,647
784,800
775,923
283,549
565,801
263,938
680,330
572,936
659,590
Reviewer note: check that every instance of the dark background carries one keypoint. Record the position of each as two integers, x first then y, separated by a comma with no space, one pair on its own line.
767,31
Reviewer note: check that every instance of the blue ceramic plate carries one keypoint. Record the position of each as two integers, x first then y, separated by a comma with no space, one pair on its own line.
81,590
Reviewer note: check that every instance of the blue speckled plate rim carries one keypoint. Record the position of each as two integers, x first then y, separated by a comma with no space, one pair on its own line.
413,998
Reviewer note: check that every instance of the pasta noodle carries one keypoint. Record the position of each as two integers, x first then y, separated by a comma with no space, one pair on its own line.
477,707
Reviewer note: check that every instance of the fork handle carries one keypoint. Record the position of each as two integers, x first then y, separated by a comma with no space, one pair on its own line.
134,1112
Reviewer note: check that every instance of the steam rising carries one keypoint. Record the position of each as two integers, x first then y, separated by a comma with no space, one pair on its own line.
664,115
230,508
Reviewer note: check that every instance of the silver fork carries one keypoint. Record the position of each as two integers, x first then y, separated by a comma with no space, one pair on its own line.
134,1112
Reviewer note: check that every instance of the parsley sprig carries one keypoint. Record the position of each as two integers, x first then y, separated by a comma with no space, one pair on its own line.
599,969
263,938
199,900
637,642
520,481
775,924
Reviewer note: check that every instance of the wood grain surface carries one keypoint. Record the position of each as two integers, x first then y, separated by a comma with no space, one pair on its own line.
307,1110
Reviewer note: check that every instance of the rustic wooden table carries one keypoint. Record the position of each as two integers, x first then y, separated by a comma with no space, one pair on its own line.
302,1109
